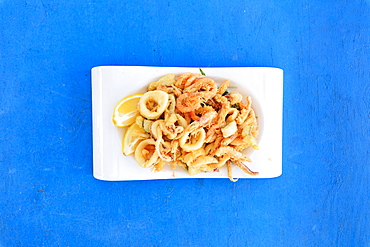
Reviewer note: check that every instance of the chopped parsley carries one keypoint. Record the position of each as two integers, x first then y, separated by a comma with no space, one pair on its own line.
201,71
236,105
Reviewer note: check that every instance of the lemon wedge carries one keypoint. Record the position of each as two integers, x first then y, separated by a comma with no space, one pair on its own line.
133,136
125,111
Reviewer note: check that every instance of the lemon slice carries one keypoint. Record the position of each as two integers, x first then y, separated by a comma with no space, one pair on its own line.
133,136
125,111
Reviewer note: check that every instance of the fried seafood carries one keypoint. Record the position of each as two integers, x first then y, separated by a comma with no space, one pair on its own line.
193,123
193,137
152,104
188,102
145,153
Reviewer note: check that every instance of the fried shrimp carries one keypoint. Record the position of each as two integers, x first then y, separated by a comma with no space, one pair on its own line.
188,102
189,122
202,84
186,79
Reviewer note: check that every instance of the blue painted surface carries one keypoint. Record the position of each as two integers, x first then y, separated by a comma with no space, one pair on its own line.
48,194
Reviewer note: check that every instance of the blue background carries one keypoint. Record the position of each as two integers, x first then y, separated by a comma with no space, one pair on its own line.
48,196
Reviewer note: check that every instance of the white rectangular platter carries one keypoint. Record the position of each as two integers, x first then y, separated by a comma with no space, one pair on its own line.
112,83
